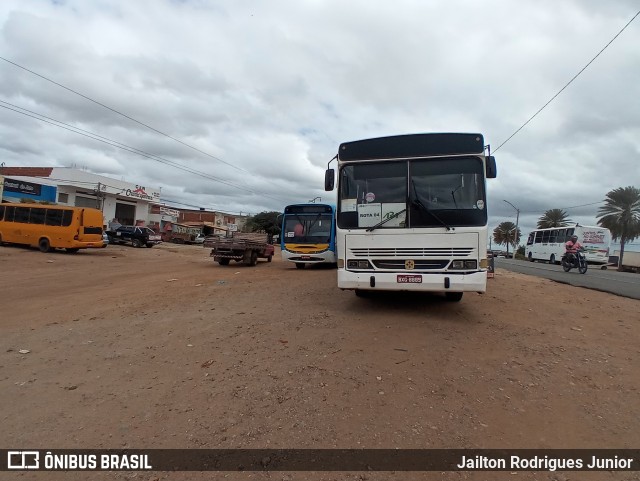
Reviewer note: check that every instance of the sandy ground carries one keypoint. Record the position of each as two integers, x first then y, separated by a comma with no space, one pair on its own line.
162,348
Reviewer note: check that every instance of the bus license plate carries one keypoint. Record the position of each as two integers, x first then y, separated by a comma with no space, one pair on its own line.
409,279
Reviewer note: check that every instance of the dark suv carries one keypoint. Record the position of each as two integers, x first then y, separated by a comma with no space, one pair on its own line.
135,235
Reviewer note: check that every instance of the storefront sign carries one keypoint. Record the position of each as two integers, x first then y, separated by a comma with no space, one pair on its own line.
140,192
171,212
21,187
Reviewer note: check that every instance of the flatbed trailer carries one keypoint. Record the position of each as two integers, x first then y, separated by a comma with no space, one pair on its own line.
240,247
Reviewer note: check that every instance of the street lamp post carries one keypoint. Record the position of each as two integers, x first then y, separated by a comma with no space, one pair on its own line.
517,219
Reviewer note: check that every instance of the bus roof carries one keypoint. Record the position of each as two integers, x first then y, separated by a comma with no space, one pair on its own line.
309,208
411,145
45,206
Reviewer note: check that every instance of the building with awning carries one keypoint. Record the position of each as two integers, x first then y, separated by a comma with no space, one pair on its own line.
125,202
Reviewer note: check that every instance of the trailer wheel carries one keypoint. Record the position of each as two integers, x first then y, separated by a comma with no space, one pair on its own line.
254,259
223,262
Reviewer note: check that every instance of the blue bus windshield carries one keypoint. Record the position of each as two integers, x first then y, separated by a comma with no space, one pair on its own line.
307,228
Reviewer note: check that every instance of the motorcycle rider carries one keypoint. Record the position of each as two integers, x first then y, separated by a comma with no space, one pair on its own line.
572,246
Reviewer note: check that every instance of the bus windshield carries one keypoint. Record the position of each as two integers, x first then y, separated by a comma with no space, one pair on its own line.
307,228
431,192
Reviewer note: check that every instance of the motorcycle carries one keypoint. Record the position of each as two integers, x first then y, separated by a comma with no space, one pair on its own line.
577,260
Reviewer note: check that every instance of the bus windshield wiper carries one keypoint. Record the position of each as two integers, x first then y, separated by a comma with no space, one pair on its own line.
384,221
418,202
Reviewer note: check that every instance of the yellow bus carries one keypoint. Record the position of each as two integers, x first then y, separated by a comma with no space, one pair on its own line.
50,227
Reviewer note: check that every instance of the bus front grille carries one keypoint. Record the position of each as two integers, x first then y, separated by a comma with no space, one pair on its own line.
419,264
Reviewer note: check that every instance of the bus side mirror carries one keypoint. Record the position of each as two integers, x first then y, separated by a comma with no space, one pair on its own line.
329,179
492,170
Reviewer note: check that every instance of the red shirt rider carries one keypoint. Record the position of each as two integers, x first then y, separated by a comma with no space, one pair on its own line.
572,246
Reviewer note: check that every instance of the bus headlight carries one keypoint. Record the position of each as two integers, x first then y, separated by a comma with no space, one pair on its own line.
484,263
358,264
464,265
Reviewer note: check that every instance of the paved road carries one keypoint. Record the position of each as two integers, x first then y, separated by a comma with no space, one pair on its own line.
621,283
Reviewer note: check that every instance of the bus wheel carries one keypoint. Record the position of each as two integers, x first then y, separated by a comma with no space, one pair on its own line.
362,293
552,259
299,265
531,257
453,296
71,251
44,245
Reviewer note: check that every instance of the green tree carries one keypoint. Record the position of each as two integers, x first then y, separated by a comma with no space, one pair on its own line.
505,233
553,218
264,222
621,215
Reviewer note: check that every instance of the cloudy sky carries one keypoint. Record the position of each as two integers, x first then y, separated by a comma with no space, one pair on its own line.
263,93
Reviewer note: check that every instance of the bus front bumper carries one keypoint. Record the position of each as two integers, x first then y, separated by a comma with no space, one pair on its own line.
316,258
432,282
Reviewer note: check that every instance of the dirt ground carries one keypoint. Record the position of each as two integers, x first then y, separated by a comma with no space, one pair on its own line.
162,348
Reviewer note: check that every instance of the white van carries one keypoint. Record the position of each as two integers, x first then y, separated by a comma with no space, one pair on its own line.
549,244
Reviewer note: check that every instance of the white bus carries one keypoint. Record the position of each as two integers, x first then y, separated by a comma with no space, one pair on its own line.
549,244
412,213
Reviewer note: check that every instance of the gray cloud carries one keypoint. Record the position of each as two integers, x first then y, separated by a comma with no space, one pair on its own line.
273,88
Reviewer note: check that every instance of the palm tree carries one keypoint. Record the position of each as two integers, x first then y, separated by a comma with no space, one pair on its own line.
505,233
553,218
621,215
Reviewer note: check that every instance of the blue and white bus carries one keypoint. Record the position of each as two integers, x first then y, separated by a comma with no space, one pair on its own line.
308,234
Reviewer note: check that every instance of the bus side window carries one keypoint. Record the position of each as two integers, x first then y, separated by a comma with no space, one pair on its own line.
67,216
1,212
22,215
37,216
538,237
569,234
9,214
530,239
561,236
54,217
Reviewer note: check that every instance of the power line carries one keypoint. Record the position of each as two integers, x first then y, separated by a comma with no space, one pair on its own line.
569,82
128,148
124,115
564,208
